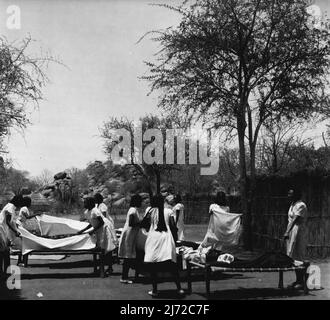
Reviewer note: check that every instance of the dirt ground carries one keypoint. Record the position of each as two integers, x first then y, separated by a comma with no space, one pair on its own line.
73,278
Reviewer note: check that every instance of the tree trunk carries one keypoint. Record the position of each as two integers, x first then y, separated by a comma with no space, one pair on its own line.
247,239
158,181
252,189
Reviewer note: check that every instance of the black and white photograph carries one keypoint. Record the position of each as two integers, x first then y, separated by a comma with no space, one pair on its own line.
169,152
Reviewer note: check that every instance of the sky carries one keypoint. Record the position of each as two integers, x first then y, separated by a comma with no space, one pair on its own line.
96,40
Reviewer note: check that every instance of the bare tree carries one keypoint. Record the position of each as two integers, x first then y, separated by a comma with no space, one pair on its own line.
22,78
44,179
276,143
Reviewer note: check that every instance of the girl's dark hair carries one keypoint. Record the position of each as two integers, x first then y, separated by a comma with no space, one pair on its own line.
136,201
177,198
146,221
297,193
220,198
27,202
153,201
98,198
159,204
89,203
17,201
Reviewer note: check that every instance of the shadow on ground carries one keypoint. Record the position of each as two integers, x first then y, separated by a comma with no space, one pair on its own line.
252,293
6,294
63,265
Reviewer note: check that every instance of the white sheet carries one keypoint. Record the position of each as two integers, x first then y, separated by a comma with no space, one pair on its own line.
224,228
53,226
31,242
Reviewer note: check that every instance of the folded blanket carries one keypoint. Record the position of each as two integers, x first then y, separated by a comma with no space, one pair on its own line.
31,242
54,226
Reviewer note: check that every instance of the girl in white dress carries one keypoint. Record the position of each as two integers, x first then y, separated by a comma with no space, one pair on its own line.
102,206
295,234
160,253
178,211
25,214
169,204
128,238
8,230
105,212
102,229
219,205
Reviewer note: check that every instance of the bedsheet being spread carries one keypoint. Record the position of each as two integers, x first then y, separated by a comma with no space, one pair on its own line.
31,242
224,229
53,226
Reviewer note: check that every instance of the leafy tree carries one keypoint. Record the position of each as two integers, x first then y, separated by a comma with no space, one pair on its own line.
235,65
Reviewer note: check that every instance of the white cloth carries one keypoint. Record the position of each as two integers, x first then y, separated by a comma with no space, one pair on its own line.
31,242
296,244
224,228
54,226
105,235
160,246
180,223
127,242
6,235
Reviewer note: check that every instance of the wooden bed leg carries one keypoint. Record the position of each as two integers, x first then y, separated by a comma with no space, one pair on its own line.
305,280
189,277
280,281
95,262
19,260
26,260
207,279
101,255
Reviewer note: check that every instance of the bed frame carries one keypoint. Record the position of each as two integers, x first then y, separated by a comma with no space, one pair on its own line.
98,257
208,268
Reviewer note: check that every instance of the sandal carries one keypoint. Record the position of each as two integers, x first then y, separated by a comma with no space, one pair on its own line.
292,285
298,286
126,281
181,292
109,271
153,294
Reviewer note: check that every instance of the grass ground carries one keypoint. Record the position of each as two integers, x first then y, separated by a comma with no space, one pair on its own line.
73,278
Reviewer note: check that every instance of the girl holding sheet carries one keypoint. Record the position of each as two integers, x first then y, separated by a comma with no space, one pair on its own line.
102,229
24,213
8,230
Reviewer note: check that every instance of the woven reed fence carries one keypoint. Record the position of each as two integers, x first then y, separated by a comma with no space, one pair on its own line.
269,220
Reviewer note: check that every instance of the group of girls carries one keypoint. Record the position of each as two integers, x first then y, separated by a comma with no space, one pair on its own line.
154,235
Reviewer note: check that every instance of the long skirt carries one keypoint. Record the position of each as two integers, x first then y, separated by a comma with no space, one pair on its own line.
106,237
296,244
160,247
